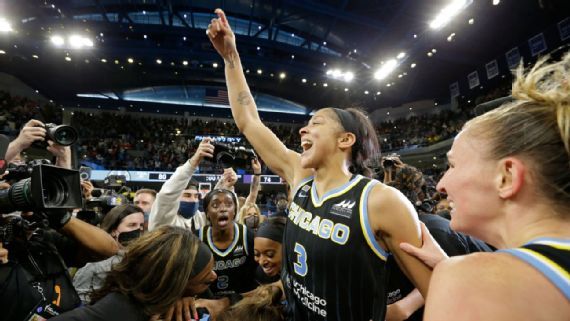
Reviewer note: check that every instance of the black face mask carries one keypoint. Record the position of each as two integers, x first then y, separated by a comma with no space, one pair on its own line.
445,214
126,237
252,221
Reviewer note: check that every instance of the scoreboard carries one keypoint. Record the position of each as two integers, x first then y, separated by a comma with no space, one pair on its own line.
148,176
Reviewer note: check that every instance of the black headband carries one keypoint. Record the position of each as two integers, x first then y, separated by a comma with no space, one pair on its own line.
347,120
271,231
202,258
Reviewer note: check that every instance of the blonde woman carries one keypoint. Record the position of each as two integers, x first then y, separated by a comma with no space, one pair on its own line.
250,216
508,184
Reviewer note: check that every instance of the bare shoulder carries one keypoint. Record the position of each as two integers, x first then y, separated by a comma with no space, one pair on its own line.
387,206
496,286
383,197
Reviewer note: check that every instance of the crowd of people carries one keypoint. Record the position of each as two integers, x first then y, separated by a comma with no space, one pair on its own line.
116,140
341,246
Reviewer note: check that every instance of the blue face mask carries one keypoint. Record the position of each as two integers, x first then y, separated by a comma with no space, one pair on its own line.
188,209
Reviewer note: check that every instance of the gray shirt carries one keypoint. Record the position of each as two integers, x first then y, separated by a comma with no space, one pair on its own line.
92,276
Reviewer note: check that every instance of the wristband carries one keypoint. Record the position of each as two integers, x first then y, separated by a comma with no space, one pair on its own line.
58,218
254,174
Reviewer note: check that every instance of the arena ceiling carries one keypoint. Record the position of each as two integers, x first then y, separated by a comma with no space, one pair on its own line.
286,46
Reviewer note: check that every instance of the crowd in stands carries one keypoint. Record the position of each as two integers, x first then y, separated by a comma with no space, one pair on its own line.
418,131
16,111
145,143
139,142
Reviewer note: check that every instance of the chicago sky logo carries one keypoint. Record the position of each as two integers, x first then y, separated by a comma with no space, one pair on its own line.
343,208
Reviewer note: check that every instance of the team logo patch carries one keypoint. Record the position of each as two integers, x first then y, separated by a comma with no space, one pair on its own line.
238,250
343,208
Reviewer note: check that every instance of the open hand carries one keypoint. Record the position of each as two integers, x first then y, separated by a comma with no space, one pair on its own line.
430,253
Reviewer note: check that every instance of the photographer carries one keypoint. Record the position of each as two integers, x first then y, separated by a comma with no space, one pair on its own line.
35,131
35,275
41,241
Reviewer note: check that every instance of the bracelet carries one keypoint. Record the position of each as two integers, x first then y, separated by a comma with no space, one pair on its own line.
254,174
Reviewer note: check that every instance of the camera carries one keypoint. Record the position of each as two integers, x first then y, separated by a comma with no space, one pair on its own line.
232,156
63,135
18,172
45,187
85,173
104,199
425,206
390,160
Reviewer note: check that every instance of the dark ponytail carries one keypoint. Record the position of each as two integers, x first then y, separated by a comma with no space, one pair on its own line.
366,149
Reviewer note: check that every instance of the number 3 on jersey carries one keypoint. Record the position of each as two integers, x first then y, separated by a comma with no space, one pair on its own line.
301,264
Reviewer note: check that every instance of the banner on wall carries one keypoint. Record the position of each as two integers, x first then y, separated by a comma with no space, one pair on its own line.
537,44
454,89
513,57
473,79
492,68
564,29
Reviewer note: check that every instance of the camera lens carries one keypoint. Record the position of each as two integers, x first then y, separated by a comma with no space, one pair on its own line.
54,192
84,176
64,135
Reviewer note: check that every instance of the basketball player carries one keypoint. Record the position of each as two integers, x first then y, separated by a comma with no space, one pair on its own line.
508,184
341,224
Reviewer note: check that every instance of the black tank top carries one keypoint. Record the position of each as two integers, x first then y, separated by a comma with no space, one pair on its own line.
235,266
333,268
551,257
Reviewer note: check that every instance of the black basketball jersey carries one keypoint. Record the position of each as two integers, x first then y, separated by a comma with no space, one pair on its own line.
549,256
235,266
333,268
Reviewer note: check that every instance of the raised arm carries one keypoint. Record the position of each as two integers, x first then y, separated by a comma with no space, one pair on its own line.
32,131
282,161
254,187
164,211
228,180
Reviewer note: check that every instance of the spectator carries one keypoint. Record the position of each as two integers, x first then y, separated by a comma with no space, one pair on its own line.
124,223
144,198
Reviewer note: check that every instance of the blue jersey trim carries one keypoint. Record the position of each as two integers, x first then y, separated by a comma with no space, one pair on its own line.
230,248
365,223
334,192
545,266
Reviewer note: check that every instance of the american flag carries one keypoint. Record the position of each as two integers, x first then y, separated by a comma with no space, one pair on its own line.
216,96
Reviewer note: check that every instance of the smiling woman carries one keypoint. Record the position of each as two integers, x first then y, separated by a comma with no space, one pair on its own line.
268,249
339,214
508,184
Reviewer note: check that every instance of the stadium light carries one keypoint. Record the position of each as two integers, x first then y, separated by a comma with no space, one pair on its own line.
5,25
339,74
448,12
57,40
386,69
